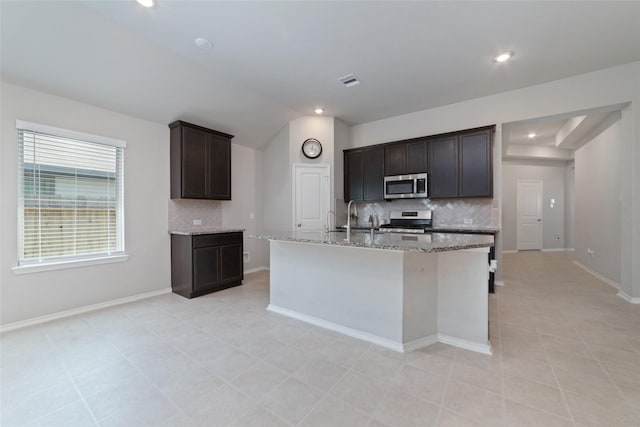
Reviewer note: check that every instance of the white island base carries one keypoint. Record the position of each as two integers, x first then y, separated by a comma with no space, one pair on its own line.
402,300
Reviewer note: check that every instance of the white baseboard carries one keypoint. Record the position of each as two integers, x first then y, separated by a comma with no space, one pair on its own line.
383,342
254,270
468,345
76,311
621,293
598,275
571,249
420,343
499,283
509,252
628,298
365,336
555,250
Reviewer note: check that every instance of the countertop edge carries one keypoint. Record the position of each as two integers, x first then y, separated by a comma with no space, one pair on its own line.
207,231
457,247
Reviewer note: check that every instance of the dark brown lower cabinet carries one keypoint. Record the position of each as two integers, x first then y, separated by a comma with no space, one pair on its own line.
205,263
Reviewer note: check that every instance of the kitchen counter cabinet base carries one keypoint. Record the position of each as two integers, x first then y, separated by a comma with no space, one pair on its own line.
395,299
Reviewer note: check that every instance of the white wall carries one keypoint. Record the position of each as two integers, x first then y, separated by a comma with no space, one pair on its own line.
597,202
552,175
570,202
341,141
320,128
146,172
280,155
276,183
611,86
246,198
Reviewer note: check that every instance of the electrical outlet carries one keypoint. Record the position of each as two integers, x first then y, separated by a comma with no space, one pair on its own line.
246,257
468,221
557,237
252,215
197,222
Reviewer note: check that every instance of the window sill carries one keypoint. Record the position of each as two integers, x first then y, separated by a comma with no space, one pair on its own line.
61,265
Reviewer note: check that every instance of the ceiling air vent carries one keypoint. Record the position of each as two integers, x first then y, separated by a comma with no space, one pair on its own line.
349,80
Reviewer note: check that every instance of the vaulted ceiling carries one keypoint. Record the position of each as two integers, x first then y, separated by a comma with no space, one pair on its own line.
274,61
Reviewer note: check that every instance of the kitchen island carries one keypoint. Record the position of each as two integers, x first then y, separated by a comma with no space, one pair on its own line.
399,291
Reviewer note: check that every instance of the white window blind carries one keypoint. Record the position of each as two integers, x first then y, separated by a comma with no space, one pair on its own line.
70,190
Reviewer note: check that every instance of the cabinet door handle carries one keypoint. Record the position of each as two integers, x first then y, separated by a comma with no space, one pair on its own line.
299,225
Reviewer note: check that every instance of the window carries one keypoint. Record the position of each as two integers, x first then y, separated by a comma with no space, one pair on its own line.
70,195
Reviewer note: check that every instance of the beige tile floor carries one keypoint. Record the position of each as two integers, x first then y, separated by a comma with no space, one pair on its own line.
566,352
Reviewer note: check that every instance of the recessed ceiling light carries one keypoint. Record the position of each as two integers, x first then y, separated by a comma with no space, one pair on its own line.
203,43
146,3
531,135
319,110
503,57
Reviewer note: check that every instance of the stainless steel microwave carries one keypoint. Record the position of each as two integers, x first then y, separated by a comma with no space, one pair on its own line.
413,186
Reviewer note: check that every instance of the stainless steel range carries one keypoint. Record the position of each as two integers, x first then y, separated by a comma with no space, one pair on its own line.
414,221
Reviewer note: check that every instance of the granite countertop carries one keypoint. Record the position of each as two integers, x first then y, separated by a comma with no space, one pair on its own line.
464,229
439,228
428,242
199,231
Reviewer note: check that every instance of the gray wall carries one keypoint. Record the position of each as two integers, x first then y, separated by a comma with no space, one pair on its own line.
146,175
277,183
246,199
552,175
598,195
570,202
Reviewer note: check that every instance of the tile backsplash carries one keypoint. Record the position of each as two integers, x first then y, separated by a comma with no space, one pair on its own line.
453,212
182,212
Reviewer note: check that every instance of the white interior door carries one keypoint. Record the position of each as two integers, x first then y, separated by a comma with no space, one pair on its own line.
311,198
529,215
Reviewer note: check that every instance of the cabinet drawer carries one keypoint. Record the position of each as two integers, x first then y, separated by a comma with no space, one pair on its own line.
205,240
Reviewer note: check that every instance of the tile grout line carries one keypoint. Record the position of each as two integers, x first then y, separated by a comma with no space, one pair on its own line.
153,384
347,371
601,364
504,399
441,406
73,380
555,376
545,384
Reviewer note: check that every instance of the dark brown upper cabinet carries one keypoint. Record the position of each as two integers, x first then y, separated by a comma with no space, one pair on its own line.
200,162
406,157
443,180
461,165
417,157
395,159
364,174
476,174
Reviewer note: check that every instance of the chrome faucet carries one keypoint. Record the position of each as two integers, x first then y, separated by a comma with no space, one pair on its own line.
328,224
355,212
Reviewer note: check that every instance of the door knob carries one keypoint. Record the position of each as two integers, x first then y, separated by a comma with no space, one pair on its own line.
539,220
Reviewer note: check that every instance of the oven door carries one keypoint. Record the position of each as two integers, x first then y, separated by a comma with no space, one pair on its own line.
399,187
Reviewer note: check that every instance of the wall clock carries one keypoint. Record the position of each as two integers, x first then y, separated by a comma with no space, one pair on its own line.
311,148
